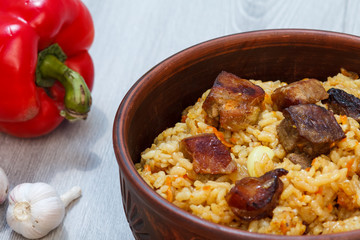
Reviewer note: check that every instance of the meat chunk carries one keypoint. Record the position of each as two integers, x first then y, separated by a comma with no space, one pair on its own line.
208,154
308,128
343,103
300,92
299,158
255,198
233,103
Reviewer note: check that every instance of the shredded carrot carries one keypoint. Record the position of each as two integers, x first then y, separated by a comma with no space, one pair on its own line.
313,162
168,181
343,140
349,164
169,192
206,187
307,169
330,207
320,190
186,176
283,227
212,128
343,119
147,167
221,137
233,140
199,99
169,195
332,145
302,197
183,118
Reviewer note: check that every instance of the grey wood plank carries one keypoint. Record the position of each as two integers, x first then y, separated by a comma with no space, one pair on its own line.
131,37
351,21
255,15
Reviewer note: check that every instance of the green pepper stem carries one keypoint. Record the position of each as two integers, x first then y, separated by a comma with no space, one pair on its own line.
77,95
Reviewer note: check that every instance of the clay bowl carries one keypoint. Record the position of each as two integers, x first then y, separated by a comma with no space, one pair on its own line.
156,101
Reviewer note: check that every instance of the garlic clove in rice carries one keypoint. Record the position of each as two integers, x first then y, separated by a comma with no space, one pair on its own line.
4,186
36,208
260,161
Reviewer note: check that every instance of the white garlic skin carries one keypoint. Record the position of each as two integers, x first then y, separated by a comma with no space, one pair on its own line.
4,186
34,209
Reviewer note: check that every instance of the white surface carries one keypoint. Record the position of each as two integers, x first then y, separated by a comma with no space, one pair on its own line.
131,37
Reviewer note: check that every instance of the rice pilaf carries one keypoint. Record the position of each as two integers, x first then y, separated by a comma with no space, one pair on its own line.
321,199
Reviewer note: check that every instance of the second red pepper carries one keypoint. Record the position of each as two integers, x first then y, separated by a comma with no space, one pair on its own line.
38,91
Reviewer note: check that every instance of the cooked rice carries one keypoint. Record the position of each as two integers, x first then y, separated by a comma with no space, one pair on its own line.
324,198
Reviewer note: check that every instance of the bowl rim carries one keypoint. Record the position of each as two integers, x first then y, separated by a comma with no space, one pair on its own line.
124,159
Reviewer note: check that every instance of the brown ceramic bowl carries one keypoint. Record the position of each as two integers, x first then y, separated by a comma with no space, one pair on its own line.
156,101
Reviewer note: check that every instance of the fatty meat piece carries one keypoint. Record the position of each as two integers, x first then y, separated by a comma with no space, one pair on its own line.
309,129
301,92
208,154
233,103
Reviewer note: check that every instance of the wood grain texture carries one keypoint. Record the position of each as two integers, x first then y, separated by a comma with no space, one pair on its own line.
131,37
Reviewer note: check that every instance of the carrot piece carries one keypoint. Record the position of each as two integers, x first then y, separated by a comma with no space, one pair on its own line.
330,207
313,162
302,197
147,168
169,193
283,227
343,119
221,137
319,191
206,187
233,140
168,181
349,164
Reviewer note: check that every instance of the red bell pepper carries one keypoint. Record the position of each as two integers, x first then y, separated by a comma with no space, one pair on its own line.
46,71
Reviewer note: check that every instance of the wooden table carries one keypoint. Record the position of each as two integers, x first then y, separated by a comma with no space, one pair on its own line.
131,37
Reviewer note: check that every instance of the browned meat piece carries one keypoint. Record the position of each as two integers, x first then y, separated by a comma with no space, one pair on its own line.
309,129
255,198
298,158
349,74
300,92
208,154
234,103
343,103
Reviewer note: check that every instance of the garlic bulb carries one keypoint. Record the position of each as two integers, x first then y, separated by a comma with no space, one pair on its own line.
36,208
4,186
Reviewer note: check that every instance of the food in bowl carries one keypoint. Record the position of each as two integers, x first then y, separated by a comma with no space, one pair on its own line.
266,157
